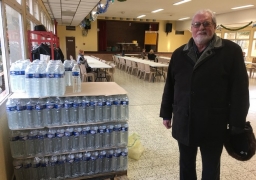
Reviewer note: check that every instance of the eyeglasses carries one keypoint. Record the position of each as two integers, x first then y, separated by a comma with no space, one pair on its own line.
198,24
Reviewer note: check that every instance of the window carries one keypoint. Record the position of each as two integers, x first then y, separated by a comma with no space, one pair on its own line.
14,35
253,52
241,38
35,10
29,6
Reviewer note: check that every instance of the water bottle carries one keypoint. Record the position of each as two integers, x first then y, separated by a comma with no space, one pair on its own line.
57,141
12,114
101,133
91,138
58,112
35,166
99,109
76,79
42,103
66,140
109,136
14,144
124,135
22,144
14,77
87,163
124,108
109,161
30,80
117,132
40,114
59,79
118,107
37,76
81,111
76,139
51,167
76,165
43,78
102,161
60,167
91,112
68,72
49,111
123,159
84,137
21,113
68,165
26,169
50,78
43,173
114,108
106,105
67,107
18,169
116,160
39,142
74,111
30,111
30,143
85,108
95,163
48,141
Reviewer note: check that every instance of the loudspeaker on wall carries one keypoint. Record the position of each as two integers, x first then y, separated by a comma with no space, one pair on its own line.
168,28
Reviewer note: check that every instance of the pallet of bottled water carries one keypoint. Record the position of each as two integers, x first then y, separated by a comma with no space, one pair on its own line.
32,113
71,165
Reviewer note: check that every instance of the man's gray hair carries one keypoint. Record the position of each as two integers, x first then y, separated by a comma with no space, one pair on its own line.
206,11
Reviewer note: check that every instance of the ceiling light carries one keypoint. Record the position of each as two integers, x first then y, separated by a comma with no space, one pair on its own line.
157,10
183,18
240,7
141,16
181,2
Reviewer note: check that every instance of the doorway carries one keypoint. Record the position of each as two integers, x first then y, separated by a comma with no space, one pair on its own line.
70,47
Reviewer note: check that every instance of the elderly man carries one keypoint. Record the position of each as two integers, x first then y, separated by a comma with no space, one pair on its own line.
206,89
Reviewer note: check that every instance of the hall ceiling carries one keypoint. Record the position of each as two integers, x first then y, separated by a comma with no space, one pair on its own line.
72,12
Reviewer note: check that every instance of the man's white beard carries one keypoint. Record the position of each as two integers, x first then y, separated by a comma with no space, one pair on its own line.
202,39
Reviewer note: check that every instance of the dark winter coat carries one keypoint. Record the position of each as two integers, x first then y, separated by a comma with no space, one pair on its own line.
202,96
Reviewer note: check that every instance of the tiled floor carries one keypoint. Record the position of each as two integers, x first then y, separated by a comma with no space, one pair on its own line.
160,158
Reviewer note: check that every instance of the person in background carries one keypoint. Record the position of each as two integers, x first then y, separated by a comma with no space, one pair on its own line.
151,55
82,60
206,90
143,54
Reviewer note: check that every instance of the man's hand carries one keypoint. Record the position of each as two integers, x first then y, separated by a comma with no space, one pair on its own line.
167,124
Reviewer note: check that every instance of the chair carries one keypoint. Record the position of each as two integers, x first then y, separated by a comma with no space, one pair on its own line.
111,72
122,63
134,66
128,65
85,75
141,69
148,71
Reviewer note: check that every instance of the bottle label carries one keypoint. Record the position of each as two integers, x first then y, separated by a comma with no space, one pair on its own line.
58,76
125,103
19,72
35,165
86,104
58,106
75,104
29,75
109,155
79,104
109,130
100,104
39,107
40,136
84,132
92,132
31,137
87,158
13,108
20,108
75,133
44,165
59,135
75,74
49,135
50,75
68,105
37,76
101,131
123,153
52,163
59,162
116,154
30,107
77,159
92,103
15,138
49,106
114,102
102,156
124,128
70,160
27,166
108,103
67,134
68,69
23,138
